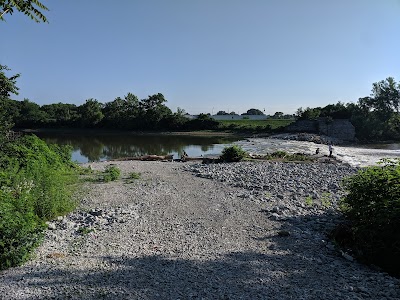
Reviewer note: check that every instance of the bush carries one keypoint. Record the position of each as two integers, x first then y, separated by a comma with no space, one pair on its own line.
20,230
111,173
233,154
36,184
372,206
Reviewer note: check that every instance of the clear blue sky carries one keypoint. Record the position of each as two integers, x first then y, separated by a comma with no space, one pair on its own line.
205,55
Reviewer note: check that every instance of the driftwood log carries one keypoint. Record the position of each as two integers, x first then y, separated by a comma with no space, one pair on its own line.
147,157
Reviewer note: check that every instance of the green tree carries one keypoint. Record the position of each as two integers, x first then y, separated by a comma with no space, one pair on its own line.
153,110
7,87
254,111
222,113
31,8
308,113
7,84
60,114
376,117
30,114
90,113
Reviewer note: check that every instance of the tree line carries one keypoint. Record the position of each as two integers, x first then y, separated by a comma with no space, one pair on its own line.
375,117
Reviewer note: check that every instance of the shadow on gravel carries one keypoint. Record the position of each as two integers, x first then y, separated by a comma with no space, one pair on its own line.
294,268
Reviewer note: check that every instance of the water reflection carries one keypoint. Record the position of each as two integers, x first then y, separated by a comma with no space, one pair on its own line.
88,148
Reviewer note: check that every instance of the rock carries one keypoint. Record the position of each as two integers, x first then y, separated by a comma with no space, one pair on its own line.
347,256
51,226
275,217
283,233
96,212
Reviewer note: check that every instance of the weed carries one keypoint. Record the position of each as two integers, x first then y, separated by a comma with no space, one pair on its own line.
84,230
268,195
326,200
111,173
134,175
309,201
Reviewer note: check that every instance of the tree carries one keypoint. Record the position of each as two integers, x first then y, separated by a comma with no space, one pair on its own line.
7,84
308,113
90,113
254,111
336,111
31,8
278,115
30,114
60,114
7,87
153,110
222,113
385,96
376,117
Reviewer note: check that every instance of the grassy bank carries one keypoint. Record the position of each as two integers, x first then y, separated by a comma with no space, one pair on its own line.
269,124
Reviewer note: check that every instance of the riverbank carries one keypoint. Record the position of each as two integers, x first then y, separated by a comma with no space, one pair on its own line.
234,231
94,132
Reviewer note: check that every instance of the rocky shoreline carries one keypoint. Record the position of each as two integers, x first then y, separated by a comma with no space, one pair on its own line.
248,230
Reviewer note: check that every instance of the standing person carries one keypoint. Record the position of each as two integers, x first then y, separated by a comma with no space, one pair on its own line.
330,147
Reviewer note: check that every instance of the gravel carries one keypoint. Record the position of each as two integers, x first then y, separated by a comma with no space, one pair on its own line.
191,231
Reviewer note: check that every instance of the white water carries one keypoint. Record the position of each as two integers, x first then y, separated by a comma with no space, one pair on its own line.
355,156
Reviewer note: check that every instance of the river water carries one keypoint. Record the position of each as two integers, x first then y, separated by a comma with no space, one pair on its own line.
357,155
100,147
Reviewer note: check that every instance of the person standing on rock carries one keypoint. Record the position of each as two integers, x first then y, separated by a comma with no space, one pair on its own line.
330,147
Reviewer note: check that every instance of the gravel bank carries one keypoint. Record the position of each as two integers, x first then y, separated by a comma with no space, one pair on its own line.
226,231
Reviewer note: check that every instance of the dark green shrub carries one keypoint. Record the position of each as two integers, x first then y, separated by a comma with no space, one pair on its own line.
373,207
233,154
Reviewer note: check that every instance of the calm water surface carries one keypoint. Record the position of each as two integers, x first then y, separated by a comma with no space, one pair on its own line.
100,147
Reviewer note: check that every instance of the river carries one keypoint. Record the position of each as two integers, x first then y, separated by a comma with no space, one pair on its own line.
100,147
355,155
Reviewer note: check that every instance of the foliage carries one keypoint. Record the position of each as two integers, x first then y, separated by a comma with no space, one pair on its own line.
254,111
375,117
90,113
308,113
31,8
134,175
308,200
373,207
326,199
111,173
36,184
20,229
254,125
7,84
233,154
203,122
84,230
